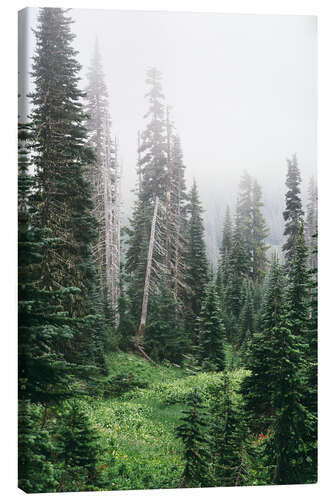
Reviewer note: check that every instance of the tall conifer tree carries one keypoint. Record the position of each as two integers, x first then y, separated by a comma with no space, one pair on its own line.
211,331
259,235
153,175
197,259
293,212
62,200
192,431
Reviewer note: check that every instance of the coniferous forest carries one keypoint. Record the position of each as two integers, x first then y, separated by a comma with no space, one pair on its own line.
141,363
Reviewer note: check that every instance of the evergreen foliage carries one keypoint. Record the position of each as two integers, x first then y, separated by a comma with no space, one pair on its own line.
248,337
211,332
126,329
247,319
197,275
192,431
37,472
293,212
259,235
43,374
153,181
62,197
227,433
79,451
266,354
165,336
252,226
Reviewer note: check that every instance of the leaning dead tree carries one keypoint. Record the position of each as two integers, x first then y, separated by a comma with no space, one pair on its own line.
155,267
104,176
143,319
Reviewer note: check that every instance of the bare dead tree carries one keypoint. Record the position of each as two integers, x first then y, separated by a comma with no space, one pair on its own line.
148,271
105,179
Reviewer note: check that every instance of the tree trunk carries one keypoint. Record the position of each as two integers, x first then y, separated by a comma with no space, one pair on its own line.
148,272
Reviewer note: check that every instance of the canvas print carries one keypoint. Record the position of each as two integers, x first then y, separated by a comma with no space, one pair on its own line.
167,238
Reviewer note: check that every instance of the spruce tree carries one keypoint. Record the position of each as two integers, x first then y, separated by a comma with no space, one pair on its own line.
165,336
247,315
236,271
62,198
298,291
252,226
37,470
293,212
79,451
295,453
227,433
44,377
259,388
153,182
197,274
311,373
259,235
43,374
211,332
273,392
192,431
176,220
153,147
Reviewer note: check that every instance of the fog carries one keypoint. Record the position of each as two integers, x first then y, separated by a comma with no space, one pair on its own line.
242,90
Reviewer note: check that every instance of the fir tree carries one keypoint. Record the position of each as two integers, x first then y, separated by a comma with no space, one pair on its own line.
43,374
79,451
153,182
197,276
259,388
192,432
247,315
259,235
153,146
37,472
235,273
252,226
293,213
227,434
176,222
294,453
298,291
165,337
311,374
211,331
273,391
62,198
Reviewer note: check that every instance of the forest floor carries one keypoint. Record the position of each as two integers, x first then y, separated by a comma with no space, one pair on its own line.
141,418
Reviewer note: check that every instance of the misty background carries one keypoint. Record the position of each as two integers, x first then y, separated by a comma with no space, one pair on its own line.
242,91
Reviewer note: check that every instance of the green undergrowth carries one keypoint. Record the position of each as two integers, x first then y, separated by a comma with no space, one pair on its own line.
141,421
